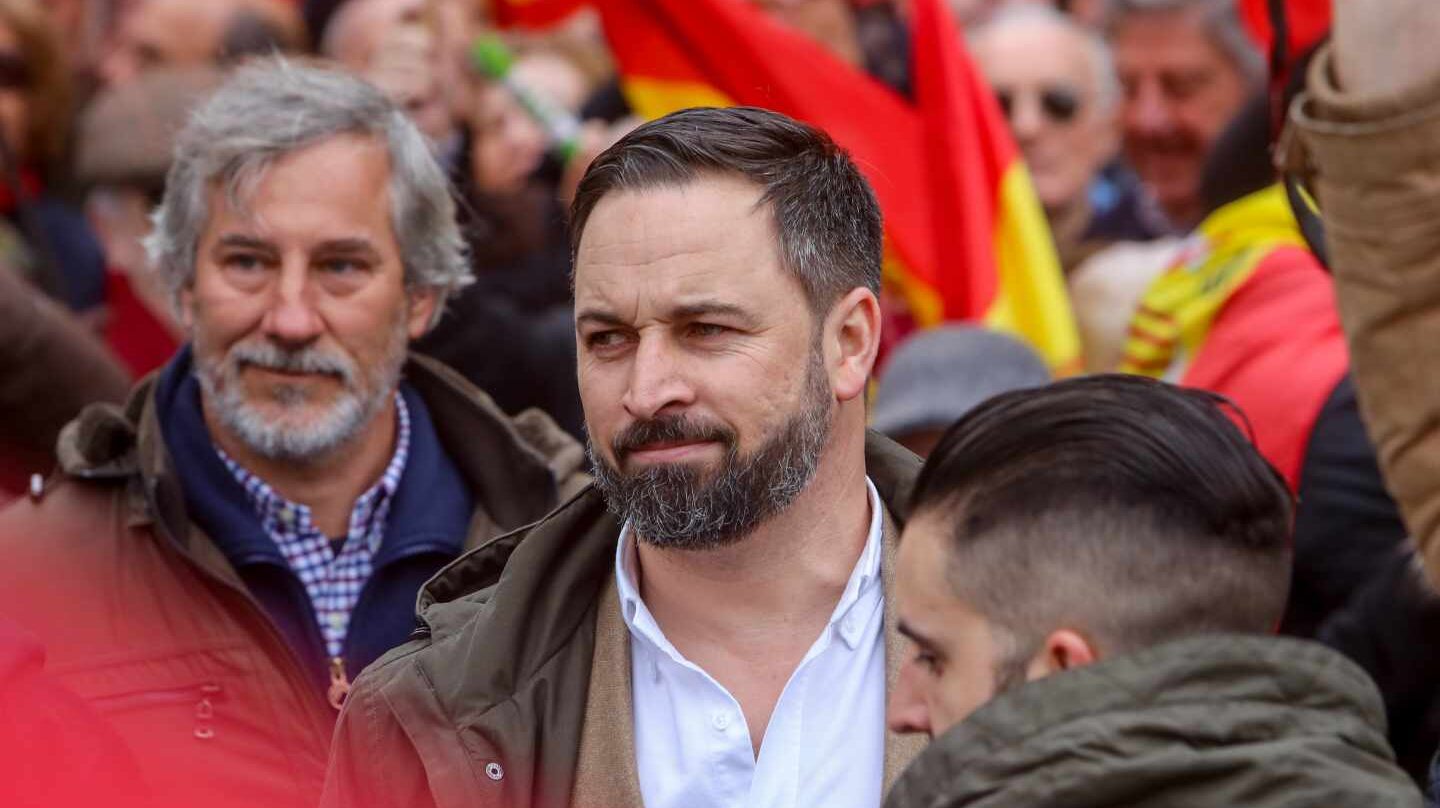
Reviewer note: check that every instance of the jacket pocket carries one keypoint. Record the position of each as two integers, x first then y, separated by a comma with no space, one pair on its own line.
203,697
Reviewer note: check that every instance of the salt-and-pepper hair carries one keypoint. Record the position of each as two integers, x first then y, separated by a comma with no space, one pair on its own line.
1222,23
274,107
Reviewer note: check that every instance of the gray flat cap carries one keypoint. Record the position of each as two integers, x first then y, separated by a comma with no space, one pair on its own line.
940,374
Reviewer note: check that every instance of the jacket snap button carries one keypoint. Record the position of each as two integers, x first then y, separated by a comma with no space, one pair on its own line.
493,771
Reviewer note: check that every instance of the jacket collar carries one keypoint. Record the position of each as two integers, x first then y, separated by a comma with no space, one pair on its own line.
530,592
431,509
508,480
1112,720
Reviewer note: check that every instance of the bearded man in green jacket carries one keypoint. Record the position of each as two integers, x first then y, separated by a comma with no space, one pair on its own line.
681,634
1088,580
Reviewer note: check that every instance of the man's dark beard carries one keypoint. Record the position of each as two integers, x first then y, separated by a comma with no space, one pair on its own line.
681,506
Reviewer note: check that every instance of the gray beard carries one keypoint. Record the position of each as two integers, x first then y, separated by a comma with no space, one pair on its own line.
278,438
683,507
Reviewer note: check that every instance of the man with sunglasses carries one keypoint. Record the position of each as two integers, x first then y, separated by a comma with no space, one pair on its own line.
1056,83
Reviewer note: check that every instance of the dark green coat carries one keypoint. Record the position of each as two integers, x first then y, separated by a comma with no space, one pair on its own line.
486,706
1222,720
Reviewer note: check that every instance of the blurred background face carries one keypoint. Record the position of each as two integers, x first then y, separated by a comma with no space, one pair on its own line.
509,144
1047,83
14,109
1180,91
390,44
829,22
157,33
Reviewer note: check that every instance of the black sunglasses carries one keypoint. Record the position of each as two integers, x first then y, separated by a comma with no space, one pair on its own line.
1059,104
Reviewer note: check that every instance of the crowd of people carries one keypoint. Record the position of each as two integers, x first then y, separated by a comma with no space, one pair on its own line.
393,417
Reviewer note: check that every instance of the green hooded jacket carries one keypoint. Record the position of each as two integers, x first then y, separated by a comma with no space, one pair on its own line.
1219,720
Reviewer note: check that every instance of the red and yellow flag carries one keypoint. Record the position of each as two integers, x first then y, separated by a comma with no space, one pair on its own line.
1243,304
966,239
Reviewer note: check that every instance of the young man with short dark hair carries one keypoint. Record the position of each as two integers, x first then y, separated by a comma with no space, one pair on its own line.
1088,579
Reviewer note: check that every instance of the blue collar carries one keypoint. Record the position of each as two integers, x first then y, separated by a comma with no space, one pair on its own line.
431,511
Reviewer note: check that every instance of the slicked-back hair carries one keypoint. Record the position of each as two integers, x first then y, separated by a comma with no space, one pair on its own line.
825,212
1131,510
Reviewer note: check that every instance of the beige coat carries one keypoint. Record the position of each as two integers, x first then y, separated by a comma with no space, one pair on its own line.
1374,164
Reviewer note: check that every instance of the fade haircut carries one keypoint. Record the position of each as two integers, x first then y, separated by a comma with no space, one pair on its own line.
272,108
1128,509
824,211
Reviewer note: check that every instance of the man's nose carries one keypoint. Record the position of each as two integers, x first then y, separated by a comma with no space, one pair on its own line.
1026,119
293,317
1147,112
657,379
907,711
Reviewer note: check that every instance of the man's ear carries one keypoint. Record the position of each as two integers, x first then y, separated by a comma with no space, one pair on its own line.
1065,649
852,340
423,306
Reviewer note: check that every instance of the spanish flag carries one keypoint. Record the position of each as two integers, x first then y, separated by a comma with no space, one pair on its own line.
966,238
1243,304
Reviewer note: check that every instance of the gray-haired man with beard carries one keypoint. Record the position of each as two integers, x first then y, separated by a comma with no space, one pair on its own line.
707,625
216,559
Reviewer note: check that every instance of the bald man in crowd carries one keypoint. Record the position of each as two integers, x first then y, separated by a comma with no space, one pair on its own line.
1056,83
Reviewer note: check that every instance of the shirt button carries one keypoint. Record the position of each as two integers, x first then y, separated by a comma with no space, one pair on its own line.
721,721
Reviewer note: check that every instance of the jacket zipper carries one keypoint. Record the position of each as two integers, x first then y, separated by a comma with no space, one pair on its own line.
295,668
339,683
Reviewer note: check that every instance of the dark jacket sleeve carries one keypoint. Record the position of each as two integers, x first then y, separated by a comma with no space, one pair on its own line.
1347,528
54,749
51,367
373,764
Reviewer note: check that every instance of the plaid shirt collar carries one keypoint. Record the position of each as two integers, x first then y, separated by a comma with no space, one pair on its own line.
332,580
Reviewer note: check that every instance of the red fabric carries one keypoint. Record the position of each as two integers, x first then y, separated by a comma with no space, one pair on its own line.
534,13
1276,349
1307,20
30,185
743,53
54,749
965,163
134,334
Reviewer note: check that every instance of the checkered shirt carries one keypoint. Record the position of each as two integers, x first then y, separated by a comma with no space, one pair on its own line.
332,580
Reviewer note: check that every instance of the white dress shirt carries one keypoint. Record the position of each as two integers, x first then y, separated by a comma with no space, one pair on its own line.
825,744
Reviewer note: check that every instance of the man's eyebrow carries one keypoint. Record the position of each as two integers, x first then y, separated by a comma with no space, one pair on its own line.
686,311
598,316
348,245
907,631
248,242
690,311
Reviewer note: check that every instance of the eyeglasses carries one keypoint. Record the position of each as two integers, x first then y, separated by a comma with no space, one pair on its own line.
14,73
1060,104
